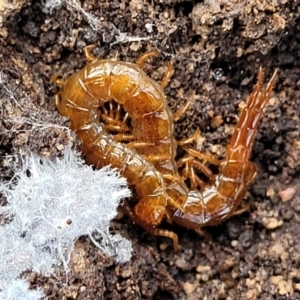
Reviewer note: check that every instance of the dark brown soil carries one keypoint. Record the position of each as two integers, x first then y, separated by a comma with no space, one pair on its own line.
216,50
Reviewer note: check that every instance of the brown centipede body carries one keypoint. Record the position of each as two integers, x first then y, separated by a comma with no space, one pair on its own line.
148,160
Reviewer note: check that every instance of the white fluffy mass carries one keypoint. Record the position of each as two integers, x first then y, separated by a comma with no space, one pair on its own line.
52,204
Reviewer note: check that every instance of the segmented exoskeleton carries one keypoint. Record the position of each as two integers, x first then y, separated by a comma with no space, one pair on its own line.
148,161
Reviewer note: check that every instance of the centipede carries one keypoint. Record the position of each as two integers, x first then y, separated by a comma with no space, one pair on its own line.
148,159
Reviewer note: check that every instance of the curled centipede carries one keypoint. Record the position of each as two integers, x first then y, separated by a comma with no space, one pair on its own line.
148,161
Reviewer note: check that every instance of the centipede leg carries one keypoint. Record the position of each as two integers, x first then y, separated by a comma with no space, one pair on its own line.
189,172
203,233
172,177
123,138
169,234
167,76
178,114
206,157
157,158
88,53
56,80
201,166
141,61
134,145
193,138
58,99
113,124
242,210
249,119
118,113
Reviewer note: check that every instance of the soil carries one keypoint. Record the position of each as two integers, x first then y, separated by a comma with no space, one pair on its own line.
216,48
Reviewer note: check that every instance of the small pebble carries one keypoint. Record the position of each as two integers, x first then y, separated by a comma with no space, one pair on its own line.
287,194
